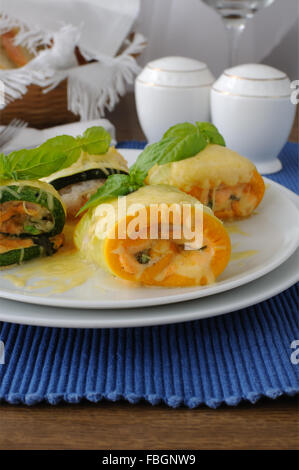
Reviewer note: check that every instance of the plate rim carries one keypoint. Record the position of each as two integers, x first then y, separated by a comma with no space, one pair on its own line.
144,320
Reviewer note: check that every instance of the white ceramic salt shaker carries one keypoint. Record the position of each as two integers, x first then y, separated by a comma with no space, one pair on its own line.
251,106
171,90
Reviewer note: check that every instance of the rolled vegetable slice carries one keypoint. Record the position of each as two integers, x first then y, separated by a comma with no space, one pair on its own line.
32,217
218,177
155,260
77,183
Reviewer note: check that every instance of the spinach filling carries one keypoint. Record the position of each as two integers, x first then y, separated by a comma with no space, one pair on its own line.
143,257
46,244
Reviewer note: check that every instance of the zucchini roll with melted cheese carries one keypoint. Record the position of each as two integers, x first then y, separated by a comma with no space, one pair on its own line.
32,217
218,177
77,183
154,255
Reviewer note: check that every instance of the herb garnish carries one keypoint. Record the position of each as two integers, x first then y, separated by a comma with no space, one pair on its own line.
178,143
143,257
53,155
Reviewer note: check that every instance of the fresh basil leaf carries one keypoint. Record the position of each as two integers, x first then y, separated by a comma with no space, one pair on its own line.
53,155
180,142
211,133
62,144
169,149
3,167
95,140
115,185
182,129
38,169
208,130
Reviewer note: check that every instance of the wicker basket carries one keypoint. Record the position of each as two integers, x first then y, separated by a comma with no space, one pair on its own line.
40,109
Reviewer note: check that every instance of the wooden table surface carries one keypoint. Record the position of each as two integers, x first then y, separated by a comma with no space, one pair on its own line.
266,425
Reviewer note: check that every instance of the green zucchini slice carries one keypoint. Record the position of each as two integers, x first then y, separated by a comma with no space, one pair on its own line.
42,246
93,174
40,194
32,217
89,167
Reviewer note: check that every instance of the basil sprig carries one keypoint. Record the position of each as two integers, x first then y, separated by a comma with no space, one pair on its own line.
210,133
115,185
178,143
53,155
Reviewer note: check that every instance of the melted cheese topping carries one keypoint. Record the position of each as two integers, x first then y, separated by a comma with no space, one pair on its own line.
155,194
58,273
111,159
129,206
213,166
89,237
193,265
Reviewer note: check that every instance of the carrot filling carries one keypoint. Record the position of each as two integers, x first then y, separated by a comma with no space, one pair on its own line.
9,243
22,217
14,243
170,263
228,202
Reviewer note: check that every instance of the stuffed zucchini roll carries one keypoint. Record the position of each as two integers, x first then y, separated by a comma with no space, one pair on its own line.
218,177
32,217
155,256
77,183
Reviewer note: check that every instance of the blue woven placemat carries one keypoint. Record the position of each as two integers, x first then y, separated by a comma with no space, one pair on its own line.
239,356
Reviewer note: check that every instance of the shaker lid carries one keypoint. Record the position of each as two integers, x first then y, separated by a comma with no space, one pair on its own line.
176,72
253,80
177,64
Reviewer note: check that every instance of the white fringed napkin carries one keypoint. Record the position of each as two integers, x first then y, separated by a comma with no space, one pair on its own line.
97,27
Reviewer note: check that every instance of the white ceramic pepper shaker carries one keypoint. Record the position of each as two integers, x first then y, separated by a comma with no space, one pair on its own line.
172,90
251,106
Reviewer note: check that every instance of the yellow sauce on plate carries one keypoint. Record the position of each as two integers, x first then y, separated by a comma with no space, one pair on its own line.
66,269
60,272
234,228
242,254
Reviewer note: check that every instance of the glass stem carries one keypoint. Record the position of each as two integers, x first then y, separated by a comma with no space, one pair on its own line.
234,29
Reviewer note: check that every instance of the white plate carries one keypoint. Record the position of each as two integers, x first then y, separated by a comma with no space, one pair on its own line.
273,232
267,286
